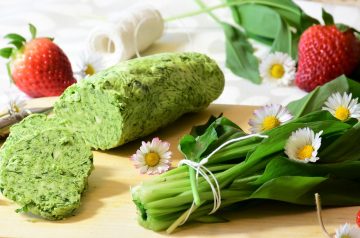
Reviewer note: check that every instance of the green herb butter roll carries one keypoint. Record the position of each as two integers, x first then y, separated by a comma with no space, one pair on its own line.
137,97
44,167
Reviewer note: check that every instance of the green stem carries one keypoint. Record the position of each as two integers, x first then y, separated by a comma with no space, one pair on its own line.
203,6
195,13
194,186
8,69
234,3
226,155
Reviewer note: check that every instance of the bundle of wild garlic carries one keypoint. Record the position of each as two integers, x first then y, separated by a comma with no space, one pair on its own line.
314,150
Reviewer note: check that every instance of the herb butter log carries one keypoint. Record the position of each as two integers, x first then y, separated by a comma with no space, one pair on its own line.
139,96
44,167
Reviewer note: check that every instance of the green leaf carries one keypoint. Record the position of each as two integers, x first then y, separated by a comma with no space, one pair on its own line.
200,129
345,148
282,166
262,23
288,188
288,10
17,44
8,69
15,37
193,148
342,27
307,21
315,100
301,190
279,135
284,40
32,30
239,54
6,52
327,17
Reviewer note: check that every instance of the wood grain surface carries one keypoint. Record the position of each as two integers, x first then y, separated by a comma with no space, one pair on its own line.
107,210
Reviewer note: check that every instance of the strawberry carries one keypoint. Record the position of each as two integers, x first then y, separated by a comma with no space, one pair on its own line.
325,52
358,219
38,67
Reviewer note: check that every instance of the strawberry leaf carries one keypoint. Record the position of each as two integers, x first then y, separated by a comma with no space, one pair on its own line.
17,44
32,29
15,37
6,52
327,17
342,27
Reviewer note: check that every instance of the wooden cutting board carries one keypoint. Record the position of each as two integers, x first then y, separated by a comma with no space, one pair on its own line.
107,210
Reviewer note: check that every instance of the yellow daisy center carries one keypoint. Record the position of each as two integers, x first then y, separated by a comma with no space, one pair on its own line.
152,159
270,122
89,70
277,71
342,113
305,152
15,108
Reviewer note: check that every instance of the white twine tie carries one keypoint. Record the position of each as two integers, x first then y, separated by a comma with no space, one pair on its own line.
200,168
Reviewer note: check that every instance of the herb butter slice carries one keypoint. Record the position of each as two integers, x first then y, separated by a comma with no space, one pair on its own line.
44,167
139,96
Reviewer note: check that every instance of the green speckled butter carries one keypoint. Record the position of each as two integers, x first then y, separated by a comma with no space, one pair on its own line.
139,96
44,167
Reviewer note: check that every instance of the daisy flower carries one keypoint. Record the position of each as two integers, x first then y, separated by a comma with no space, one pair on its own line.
303,145
278,67
15,105
269,117
153,157
343,107
89,64
347,231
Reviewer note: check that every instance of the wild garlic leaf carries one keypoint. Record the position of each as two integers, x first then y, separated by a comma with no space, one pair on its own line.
284,39
258,20
193,148
239,54
344,148
315,100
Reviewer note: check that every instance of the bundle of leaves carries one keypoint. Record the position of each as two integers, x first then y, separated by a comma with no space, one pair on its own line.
257,168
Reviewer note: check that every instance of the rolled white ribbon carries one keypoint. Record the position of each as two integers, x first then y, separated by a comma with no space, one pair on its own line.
134,31
206,174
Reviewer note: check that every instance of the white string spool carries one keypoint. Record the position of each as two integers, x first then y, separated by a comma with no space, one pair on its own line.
200,168
116,41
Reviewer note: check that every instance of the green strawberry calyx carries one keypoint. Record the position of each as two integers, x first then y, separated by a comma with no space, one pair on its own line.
15,47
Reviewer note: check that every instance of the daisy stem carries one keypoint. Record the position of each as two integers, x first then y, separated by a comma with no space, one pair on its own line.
319,216
4,112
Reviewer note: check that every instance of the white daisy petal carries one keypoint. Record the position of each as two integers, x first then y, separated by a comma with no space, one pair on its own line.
303,145
143,169
278,67
348,231
89,63
152,157
342,107
268,117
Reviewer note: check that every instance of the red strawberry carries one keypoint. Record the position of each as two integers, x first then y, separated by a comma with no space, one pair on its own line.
38,67
358,219
325,53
